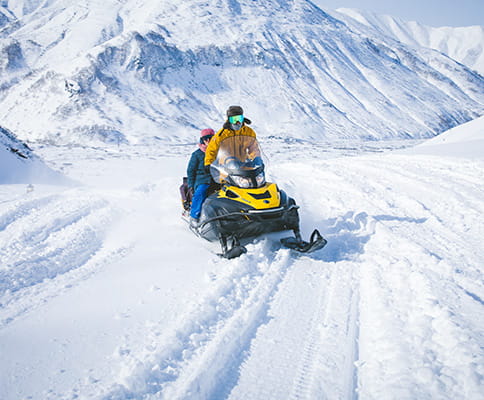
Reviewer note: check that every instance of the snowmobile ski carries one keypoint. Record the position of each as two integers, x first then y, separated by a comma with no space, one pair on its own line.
236,249
316,242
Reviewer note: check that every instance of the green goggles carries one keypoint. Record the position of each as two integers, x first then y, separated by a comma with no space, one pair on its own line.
236,119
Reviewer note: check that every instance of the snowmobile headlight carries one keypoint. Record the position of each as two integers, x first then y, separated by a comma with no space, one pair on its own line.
241,181
260,179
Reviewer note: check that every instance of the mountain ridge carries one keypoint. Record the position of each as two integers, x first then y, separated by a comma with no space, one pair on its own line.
464,44
140,77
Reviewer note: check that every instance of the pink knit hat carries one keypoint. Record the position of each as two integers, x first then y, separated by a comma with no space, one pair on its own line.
207,132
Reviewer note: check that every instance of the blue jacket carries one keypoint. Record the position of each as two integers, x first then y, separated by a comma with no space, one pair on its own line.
195,171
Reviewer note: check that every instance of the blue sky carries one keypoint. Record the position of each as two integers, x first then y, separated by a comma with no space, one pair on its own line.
428,12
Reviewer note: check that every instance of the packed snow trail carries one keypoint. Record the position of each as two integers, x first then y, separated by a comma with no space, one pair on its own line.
381,296
420,272
134,306
310,340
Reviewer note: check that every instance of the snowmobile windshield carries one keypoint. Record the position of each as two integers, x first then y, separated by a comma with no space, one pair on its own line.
239,162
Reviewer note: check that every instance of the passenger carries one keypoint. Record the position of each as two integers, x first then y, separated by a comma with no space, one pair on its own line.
198,178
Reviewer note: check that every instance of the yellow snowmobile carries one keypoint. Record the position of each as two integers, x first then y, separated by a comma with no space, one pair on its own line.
245,205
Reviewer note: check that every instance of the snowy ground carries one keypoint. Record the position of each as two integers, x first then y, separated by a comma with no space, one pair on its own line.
105,294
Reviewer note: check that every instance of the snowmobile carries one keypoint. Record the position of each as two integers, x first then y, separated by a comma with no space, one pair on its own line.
244,205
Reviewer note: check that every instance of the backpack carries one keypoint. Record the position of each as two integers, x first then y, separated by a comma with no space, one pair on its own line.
186,195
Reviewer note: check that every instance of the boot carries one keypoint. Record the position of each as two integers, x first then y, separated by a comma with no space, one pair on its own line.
193,222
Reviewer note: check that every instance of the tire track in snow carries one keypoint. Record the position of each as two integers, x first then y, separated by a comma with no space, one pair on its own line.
330,348
200,356
33,229
37,247
16,304
442,209
204,354
439,211
22,209
425,229
309,345
407,289
44,239
424,213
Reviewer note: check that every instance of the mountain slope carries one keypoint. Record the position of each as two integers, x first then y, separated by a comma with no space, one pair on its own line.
19,164
111,71
464,44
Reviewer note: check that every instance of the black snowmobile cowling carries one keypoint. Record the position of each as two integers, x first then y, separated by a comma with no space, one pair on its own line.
245,205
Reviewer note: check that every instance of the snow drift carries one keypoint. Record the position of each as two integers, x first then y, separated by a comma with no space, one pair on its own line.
466,140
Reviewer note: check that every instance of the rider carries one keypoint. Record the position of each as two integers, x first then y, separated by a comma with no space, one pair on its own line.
198,178
236,124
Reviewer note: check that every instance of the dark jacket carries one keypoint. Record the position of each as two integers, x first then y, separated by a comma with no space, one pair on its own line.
195,171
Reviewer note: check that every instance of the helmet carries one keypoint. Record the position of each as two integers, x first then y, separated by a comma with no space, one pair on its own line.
235,117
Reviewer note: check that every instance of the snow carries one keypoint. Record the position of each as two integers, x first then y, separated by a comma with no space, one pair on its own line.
105,293
19,165
466,140
137,72
463,44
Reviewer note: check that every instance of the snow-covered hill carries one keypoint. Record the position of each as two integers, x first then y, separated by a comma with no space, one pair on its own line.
106,294
109,71
18,164
464,44
464,141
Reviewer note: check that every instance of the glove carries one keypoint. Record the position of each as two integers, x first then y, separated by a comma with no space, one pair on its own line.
258,160
207,168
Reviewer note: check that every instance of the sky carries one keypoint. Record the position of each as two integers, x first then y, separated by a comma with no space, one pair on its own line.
428,12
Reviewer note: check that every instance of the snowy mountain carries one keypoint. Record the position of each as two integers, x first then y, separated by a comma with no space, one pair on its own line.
105,294
5,16
142,70
463,44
